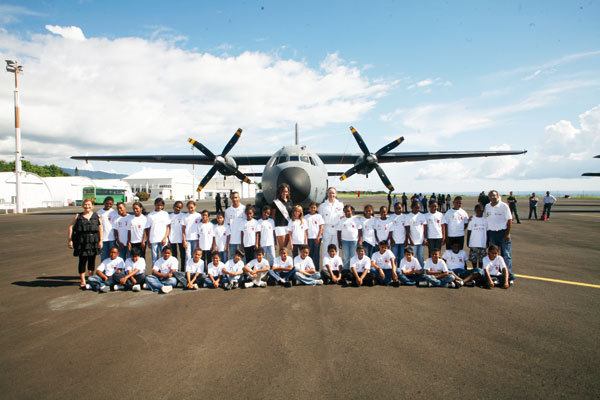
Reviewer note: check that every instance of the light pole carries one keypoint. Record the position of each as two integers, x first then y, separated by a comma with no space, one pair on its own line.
15,68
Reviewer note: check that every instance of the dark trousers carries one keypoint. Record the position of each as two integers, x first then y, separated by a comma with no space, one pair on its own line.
89,260
513,209
349,279
139,246
314,248
433,244
139,279
455,239
546,210
178,249
248,254
326,277
533,210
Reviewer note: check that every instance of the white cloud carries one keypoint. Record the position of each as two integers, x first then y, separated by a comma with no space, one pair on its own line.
68,32
129,95
428,82
9,13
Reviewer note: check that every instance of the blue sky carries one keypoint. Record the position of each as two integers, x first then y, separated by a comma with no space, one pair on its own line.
140,77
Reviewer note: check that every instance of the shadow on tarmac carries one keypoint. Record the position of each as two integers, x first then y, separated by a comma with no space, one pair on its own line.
50,281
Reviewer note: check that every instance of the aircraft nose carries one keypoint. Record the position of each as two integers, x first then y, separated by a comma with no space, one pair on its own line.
299,182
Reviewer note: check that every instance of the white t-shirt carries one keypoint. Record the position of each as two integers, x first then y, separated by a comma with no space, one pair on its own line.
249,228
349,228
407,266
109,266
494,267
137,226
206,233
368,230
215,271
191,222
279,263
335,262
122,225
478,228
364,264
303,264
108,217
297,228
439,267
399,224
383,228
221,233
455,220
255,265
175,235
193,267
497,216
235,218
434,225
139,266
417,224
549,199
313,223
455,260
383,261
165,266
331,213
266,227
234,267
157,221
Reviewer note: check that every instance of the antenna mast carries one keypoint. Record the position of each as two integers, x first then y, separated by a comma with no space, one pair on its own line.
296,133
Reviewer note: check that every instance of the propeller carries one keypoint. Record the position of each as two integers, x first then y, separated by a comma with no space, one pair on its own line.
223,163
368,161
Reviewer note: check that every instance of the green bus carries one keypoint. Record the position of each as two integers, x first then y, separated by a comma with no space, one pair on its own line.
99,194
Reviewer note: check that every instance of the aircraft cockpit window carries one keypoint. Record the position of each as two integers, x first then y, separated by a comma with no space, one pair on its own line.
305,159
293,158
312,161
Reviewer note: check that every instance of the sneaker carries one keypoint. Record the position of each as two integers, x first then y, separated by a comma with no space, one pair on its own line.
166,289
287,284
88,286
104,289
195,286
146,286
451,285
459,284
469,284
136,288
119,287
236,284
423,284
511,282
227,286
262,284
248,284
318,282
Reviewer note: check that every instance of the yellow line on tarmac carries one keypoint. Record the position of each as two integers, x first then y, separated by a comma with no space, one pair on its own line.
557,281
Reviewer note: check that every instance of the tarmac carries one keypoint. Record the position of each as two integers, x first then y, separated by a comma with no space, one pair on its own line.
538,339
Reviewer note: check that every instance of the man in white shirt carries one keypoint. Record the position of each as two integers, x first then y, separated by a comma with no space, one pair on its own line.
332,210
499,224
234,218
549,200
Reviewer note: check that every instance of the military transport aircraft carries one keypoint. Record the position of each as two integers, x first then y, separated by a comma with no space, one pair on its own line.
296,165
592,173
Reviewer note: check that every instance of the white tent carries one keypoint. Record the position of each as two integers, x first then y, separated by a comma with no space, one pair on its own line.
67,189
35,192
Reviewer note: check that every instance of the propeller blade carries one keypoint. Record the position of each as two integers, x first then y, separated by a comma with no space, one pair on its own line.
241,176
389,147
350,172
232,142
211,172
360,142
202,148
384,177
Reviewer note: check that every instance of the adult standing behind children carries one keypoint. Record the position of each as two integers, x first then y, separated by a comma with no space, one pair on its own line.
234,218
218,207
282,214
499,223
549,200
332,211
512,204
533,200
85,238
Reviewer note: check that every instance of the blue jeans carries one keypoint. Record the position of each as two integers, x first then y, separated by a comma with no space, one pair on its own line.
209,284
96,282
232,248
407,280
497,238
308,280
387,276
369,249
155,283
442,282
182,278
155,251
314,249
348,251
106,246
286,276
192,246
418,250
269,254
123,252
463,273
398,251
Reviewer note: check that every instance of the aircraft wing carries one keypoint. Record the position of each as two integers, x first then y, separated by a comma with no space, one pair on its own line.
339,158
256,159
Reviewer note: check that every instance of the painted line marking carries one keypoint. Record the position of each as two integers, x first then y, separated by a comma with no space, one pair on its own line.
557,281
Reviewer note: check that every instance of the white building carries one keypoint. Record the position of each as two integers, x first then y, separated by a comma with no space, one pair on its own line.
34,191
174,184
67,190
226,185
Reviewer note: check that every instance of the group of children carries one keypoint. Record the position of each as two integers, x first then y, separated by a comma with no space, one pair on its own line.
370,249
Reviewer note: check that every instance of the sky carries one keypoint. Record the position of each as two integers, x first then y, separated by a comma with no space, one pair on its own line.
140,77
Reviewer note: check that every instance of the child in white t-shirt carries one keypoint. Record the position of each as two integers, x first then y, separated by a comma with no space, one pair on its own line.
398,240
233,271
331,273
221,236
134,273
383,266
297,230
436,271
455,219
477,237
175,232
194,275
206,237
496,271
189,230
121,230
283,271
266,234
306,272
136,237
214,271
410,271
249,233
103,280
360,266
368,223
416,228
435,228
256,270
157,228
315,224
383,225
349,234
456,260
162,278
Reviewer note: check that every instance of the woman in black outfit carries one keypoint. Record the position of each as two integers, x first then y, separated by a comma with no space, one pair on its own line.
85,238
282,211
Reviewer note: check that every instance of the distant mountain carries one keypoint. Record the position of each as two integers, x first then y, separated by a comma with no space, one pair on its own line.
94,174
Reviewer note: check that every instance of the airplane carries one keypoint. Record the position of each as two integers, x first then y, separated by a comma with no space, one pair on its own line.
305,171
592,173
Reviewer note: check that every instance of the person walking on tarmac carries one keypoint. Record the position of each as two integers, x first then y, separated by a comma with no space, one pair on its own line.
512,204
218,207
